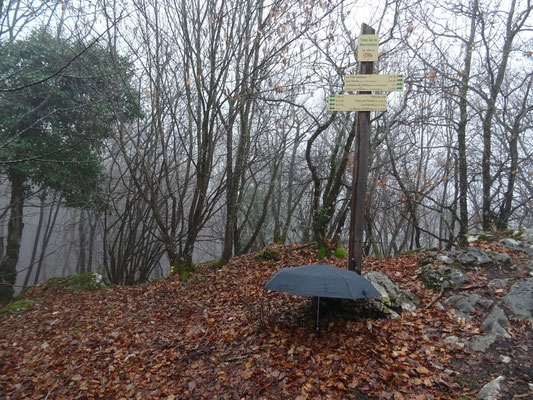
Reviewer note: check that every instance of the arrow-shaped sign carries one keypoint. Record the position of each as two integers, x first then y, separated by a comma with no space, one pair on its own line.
357,102
370,83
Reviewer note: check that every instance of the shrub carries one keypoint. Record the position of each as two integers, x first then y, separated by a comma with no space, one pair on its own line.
341,252
321,253
183,269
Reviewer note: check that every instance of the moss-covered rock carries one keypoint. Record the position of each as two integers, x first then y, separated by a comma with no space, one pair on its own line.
17,307
444,278
268,254
89,281
217,264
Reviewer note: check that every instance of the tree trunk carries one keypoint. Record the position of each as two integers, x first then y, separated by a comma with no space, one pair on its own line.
82,238
36,240
8,264
46,238
461,133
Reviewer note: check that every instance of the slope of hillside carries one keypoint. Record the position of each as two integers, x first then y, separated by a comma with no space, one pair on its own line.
222,336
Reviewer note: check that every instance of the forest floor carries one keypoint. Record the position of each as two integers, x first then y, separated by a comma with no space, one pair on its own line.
221,336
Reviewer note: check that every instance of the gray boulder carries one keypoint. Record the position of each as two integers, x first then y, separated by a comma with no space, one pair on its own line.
474,257
495,323
511,243
502,259
522,245
480,342
527,236
470,258
465,305
444,259
491,391
444,278
520,299
392,295
498,283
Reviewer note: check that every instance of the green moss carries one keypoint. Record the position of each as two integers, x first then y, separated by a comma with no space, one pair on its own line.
429,281
84,282
268,254
17,307
321,253
340,253
89,281
411,252
217,264
426,260
199,277
497,235
464,382
54,283
183,269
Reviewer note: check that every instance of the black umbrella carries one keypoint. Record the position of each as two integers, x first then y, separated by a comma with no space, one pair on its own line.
321,280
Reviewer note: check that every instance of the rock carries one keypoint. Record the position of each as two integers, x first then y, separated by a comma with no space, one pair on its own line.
444,278
480,342
491,391
495,323
466,304
471,257
502,259
527,236
498,283
505,359
471,238
520,299
454,341
474,257
512,243
392,293
444,259
518,245
528,248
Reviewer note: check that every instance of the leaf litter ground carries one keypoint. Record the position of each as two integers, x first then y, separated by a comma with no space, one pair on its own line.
224,337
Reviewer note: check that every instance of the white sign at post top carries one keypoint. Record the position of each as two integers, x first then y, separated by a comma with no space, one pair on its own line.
367,50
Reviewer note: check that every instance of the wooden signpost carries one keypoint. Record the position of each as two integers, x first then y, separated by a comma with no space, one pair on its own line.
364,102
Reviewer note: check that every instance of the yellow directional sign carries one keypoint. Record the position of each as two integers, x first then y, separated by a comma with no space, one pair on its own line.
373,82
368,48
357,102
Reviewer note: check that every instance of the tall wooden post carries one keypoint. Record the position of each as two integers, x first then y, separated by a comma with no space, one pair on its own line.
360,175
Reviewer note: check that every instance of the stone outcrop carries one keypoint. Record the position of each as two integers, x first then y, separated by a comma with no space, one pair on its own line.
520,299
393,298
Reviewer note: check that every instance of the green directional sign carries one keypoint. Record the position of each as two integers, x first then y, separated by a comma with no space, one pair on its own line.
357,102
370,83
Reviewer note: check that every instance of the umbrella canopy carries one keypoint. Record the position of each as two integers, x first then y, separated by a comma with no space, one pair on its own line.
319,280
